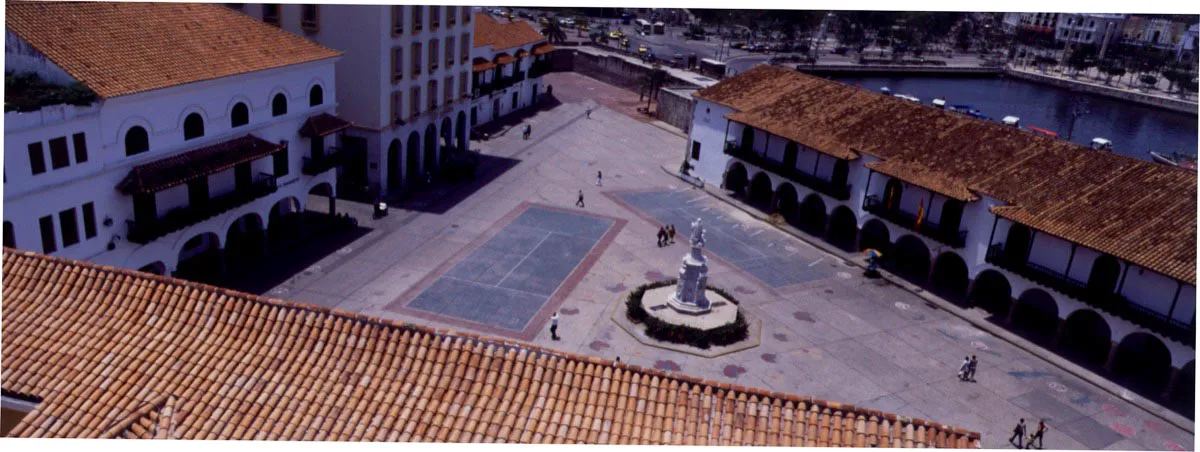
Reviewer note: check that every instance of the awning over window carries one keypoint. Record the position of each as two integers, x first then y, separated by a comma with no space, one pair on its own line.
522,53
179,169
504,58
542,49
323,124
480,65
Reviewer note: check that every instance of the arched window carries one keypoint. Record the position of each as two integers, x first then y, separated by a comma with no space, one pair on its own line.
316,96
240,115
136,141
193,126
279,105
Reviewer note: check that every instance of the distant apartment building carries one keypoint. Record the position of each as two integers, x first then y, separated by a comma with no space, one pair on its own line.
1039,22
1157,32
404,81
207,129
1186,49
509,60
1093,29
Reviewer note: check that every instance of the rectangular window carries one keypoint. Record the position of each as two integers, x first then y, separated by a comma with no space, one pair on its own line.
397,64
10,240
318,148
433,55
432,91
414,102
463,49
271,14
466,15
70,229
280,159
59,158
451,18
416,59
37,160
695,150
418,18
449,52
49,245
397,107
80,147
397,19
462,84
309,19
448,94
89,220
435,16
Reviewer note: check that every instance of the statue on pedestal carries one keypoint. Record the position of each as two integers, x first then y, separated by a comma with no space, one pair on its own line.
689,295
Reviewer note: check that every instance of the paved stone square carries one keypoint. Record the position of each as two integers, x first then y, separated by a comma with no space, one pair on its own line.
827,332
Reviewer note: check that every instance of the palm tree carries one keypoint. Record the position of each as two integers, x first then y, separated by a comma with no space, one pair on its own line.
554,33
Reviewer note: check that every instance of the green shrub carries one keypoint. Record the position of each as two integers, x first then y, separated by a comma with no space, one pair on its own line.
659,330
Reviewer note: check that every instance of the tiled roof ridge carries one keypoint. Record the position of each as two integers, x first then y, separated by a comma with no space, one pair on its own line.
119,426
525,352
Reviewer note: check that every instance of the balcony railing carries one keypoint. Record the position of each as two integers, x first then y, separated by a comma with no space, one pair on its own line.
835,191
1113,303
928,228
314,166
182,217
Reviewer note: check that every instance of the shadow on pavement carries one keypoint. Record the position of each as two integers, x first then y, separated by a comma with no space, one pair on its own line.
322,237
502,126
443,196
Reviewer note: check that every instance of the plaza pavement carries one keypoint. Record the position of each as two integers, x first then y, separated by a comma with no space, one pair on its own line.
834,335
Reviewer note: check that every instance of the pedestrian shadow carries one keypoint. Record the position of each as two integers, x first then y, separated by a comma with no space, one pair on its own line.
440,197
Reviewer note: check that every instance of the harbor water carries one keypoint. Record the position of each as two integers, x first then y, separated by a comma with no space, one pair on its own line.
1134,129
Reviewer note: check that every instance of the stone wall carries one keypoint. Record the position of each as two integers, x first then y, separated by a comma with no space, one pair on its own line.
1178,105
675,106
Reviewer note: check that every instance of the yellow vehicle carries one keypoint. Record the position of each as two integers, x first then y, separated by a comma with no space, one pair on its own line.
616,34
643,49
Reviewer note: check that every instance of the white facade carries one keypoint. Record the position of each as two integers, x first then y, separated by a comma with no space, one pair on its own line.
85,188
1089,28
487,104
1147,290
395,89
1186,49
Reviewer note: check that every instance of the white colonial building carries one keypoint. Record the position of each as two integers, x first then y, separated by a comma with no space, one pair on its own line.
404,80
206,129
508,62
1059,241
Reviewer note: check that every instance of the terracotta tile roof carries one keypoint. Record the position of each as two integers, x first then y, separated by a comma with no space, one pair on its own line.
503,36
178,169
480,65
125,48
1133,209
542,49
323,124
504,58
128,354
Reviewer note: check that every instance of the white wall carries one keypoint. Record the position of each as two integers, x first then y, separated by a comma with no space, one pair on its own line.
708,128
1051,252
1150,289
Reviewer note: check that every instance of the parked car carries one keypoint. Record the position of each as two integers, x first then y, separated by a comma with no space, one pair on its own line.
643,49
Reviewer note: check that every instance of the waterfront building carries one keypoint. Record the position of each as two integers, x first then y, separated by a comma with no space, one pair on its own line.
1039,22
1164,33
1089,253
1089,28
508,62
403,81
201,362
1186,49
196,150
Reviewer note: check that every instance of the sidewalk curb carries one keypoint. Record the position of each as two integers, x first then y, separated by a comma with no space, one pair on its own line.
1112,388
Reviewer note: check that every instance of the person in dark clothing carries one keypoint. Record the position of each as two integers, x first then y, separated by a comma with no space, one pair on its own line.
671,233
1037,435
662,236
1018,433
579,202
971,368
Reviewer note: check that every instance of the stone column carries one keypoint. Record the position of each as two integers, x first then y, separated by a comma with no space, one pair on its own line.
1112,355
1062,326
1166,394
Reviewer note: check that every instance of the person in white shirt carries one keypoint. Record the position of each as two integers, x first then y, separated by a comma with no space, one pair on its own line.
554,326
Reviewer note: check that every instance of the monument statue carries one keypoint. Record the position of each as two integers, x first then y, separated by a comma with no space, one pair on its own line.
689,295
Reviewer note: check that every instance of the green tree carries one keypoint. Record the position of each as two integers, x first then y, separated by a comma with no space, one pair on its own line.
1080,61
1148,80
554,32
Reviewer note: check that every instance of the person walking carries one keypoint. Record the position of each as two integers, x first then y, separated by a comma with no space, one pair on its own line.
589,112
662,236
579,202
528,131
671,233
554,326
1037,434
971,368
964,368
1018,433
599,178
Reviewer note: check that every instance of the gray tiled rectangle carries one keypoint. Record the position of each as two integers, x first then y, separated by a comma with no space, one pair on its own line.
1043,405
1092,434
515,239
564,223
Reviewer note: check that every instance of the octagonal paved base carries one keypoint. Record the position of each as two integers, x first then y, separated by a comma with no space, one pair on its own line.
654,301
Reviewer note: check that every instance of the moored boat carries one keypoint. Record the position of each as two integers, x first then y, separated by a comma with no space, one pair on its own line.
1102,144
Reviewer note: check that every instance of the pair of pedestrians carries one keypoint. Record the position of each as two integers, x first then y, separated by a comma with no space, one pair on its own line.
1019,435
966,372
666,235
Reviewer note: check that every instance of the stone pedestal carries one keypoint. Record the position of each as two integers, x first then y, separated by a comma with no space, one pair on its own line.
689,296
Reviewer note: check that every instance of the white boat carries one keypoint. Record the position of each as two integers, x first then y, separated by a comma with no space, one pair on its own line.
885,90
909,98
1102,144
1164,159
1011,121
939,103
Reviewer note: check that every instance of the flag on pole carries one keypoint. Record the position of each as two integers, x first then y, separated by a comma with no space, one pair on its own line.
920,213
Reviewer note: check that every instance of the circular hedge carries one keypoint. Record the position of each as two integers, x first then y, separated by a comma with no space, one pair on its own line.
726,334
